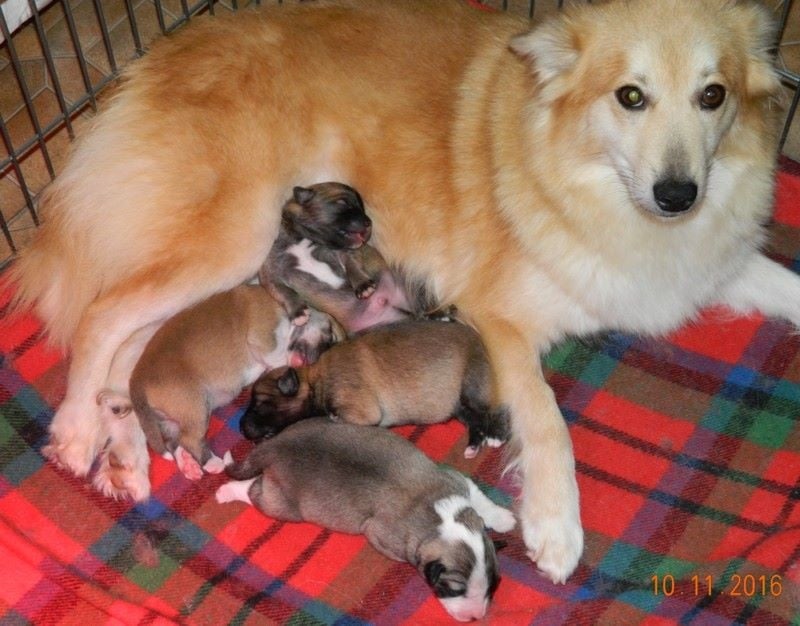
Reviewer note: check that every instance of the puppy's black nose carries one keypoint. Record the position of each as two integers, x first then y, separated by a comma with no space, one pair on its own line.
358,230
358,224
675,196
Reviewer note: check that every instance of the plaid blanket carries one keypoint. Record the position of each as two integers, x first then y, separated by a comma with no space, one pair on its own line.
688,460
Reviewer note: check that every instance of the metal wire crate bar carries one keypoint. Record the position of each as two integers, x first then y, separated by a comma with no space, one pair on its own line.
58,57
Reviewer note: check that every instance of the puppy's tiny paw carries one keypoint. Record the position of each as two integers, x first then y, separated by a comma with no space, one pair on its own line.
234,491
227,458
494,443
187,464
365,290
300,316
470,452
225,494
500,519
214,465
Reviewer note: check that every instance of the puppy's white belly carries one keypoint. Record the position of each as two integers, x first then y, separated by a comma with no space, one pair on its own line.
308,264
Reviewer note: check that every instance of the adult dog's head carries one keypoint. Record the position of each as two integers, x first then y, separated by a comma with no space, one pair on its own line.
656,89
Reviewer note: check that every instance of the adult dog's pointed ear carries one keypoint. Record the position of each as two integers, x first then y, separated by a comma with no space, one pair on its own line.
552,48
760,33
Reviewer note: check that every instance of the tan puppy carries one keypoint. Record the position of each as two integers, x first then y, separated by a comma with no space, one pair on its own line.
202,358
412,372
611,168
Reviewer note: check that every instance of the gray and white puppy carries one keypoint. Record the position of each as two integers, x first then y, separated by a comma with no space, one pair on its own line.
385,488
201,359
321,259
411,372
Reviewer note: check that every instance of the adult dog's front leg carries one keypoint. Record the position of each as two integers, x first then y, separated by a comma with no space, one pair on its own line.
77,435
549,509
764,286
122,471
76,432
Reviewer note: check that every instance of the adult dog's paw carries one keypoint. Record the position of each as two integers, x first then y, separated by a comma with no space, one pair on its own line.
75,438
123,469
122,478
554,543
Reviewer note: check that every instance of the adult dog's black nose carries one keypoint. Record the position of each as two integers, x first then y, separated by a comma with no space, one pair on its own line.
675,196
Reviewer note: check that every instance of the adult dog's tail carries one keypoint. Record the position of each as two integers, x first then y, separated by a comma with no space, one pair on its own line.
53,276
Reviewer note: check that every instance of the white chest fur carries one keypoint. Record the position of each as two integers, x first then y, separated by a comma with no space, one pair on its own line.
302,251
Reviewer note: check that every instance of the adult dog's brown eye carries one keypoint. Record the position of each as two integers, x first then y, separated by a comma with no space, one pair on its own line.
712,97
630,97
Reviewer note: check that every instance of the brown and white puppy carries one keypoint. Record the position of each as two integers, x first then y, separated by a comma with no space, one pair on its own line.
413,372
611,168
408,508
201,359
321,258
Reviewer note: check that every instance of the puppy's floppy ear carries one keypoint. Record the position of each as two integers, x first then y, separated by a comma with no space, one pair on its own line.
761,35
552,48
289,383
303,195
433,571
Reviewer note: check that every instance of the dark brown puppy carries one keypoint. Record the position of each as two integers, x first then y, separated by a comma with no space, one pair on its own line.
413,372
321,259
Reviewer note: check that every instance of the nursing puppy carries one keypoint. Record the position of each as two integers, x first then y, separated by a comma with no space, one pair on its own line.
384,488
321,258
414,372
611,168
201,359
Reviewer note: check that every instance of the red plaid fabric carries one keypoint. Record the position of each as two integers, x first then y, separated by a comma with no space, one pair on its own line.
688,457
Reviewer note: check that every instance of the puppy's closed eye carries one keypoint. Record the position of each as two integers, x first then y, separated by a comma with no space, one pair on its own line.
443,585
449,589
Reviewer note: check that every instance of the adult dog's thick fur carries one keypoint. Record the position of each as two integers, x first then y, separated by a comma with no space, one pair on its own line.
589,174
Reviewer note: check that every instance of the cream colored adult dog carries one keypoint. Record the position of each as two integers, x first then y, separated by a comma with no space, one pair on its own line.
608,169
